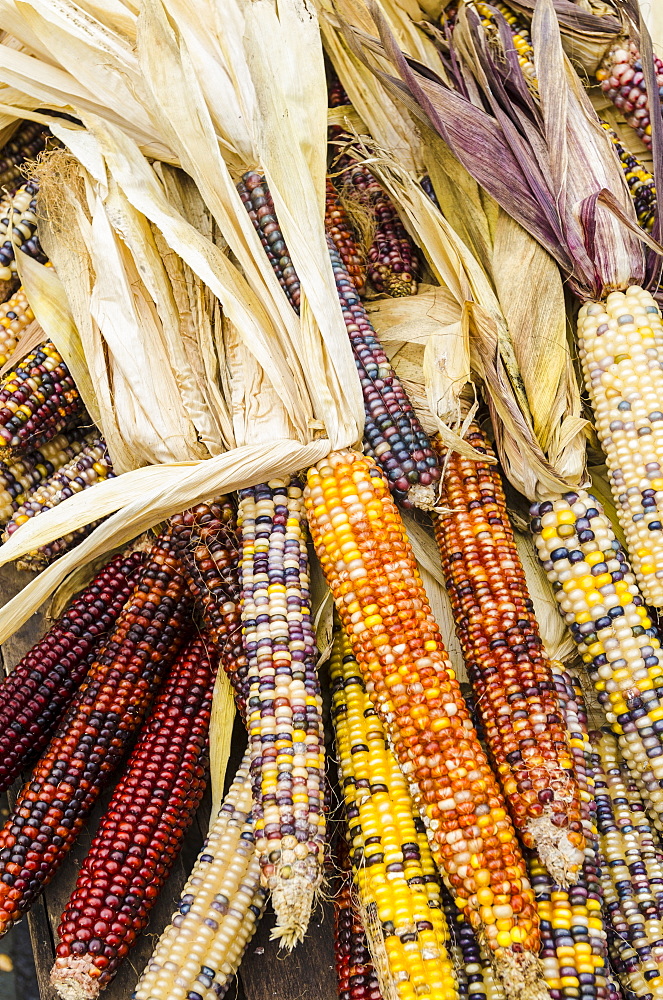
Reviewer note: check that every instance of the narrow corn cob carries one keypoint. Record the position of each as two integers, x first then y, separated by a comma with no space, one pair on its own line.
472,967
208,546
601,604
621,78
621,348
284,716
339,227
522,41
355,973
18,229
200,951
141,832
38,399
372,573
386,851
506,662
20,477
393,435
427,185
91,739
640,182
632,873
392,260
35,694
15,317
91,466
257,199
25,144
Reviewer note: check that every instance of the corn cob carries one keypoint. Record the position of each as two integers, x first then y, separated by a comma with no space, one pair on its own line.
602,606
393,435
392,261
522,41
38,399
141,832
339,227
25,144
427,185
472,968
15,317
20,477
506,662
91,739
387,850
640,182
372,573
35,694
200,951
336,95
621,347
284,711
207,544
355,973
91,466
632,872
621,78
18,229
258,202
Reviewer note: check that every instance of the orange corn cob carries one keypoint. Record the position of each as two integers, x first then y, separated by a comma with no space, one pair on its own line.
506,663
338,226
369,565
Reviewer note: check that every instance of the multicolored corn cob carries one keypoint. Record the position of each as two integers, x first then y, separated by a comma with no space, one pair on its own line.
284,716
640,182
506,661
393,435
339,227
392,865
522,41
601,604
15,317
370,568
354,967
18,229
20,477
208,545
35,694
620,343
632,870
38,399
198,954
621,78
472,969
106,712
392,260
25,144
573,932
257,199
141,832
91,466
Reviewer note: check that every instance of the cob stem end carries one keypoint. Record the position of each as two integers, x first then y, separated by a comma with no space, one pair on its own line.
72,980
521,975
293,900
555,850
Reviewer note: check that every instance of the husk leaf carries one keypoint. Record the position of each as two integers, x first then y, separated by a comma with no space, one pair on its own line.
220,734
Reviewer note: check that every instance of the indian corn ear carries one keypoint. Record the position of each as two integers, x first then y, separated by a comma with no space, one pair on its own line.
622,80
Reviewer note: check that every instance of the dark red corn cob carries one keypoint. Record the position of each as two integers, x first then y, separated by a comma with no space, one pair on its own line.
393,435
38,399
258,202
107,710
354,969
392,261
336,93
37,691
142,830
207,544
338,225
28,140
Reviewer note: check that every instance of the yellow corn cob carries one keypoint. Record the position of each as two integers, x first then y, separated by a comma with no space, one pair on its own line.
370,568
389,849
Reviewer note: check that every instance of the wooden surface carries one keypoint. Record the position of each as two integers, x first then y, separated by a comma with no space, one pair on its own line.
266,973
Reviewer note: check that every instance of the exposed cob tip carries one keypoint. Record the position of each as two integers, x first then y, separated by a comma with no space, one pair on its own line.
74,978
556,851
293,900
521,974
423,497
